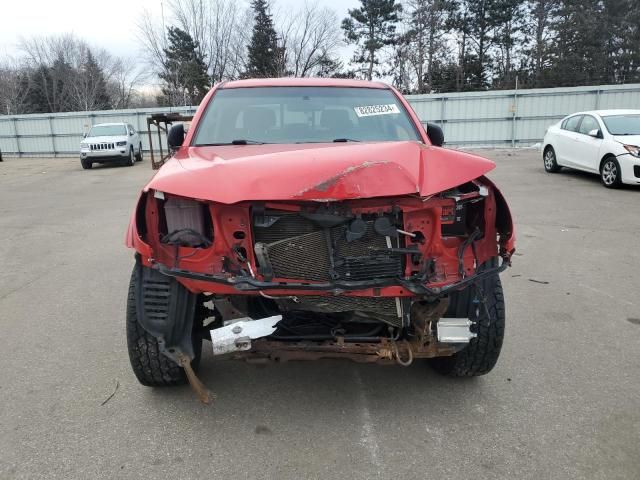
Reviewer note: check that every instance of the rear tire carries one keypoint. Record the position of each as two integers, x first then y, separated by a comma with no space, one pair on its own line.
549,158
610,173
151,367
481,354
86,164
139,154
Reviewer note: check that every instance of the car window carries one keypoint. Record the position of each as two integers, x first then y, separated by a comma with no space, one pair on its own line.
588,123
304,115
628,124
572,123
107,130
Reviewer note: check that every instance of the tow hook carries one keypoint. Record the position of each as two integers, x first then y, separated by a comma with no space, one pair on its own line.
203,394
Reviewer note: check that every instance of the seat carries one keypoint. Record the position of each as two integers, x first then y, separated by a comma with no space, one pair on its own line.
338,121
258,121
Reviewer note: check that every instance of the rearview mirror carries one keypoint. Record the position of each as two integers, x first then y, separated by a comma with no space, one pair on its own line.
435,134
176,136
596,133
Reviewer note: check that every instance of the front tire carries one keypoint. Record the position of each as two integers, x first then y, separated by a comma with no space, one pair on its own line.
150,366
481,354
132,158
550,162
86,164
610,173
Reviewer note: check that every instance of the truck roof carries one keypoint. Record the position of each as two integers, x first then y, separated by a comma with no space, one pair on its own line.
303,82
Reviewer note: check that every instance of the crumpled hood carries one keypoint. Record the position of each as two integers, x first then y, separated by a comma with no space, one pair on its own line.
315,172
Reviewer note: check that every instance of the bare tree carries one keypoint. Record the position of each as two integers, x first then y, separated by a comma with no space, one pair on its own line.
14,85
126,75
220,28
311,37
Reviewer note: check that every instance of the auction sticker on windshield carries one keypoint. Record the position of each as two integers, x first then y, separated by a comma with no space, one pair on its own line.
370,110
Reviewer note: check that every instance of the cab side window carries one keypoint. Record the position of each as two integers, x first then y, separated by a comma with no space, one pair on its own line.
572,123
588,123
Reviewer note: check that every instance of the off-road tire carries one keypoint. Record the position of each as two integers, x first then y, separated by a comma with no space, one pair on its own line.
481,354
86,164
151,367
550,161
139,154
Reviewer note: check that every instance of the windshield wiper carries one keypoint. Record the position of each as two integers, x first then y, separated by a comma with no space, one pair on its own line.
344,140
242,141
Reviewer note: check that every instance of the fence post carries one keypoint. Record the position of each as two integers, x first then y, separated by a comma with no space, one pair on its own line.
514,113
53,137
15,133
597,100
443,113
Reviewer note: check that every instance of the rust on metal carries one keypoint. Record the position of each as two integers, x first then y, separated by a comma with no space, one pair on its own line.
423,316
203,394
383,351
162,122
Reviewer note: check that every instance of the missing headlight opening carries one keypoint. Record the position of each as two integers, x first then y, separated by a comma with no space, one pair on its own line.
186,223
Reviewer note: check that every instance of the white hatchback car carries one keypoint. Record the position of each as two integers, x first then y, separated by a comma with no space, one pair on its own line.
606,142
111,142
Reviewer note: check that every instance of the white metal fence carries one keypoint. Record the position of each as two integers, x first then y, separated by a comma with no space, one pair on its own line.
494,118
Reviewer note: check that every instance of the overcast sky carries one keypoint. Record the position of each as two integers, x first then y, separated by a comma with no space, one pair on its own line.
110,24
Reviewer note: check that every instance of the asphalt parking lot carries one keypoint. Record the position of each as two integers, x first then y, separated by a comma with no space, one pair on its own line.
563,401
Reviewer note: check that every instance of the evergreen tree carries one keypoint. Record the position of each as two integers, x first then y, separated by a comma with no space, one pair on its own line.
371,27
92,85
35,83
265,57
429,22
185,72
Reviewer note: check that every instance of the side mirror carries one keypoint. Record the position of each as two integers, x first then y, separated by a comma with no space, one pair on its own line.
596,133
84,135
435,134
176,136
131,134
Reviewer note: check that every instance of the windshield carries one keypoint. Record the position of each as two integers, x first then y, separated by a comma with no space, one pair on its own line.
622,124
303,115
107,130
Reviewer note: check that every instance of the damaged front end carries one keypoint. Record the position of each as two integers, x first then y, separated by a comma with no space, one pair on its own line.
366,279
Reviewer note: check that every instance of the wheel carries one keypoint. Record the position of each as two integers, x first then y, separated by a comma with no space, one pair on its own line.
86,164
151,367
481,354
139,155
610,173
550,164
132,158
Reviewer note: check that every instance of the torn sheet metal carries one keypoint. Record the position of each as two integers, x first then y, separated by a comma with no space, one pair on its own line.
237,335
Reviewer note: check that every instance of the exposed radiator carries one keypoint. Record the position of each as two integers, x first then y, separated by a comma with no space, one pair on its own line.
299,249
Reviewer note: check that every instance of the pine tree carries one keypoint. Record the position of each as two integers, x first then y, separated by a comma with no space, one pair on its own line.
371,27
265,57
93,85
35,83
185,72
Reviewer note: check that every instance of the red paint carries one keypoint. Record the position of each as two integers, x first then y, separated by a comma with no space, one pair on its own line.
368,177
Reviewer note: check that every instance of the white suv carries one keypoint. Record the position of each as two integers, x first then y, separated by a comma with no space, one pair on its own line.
111,142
